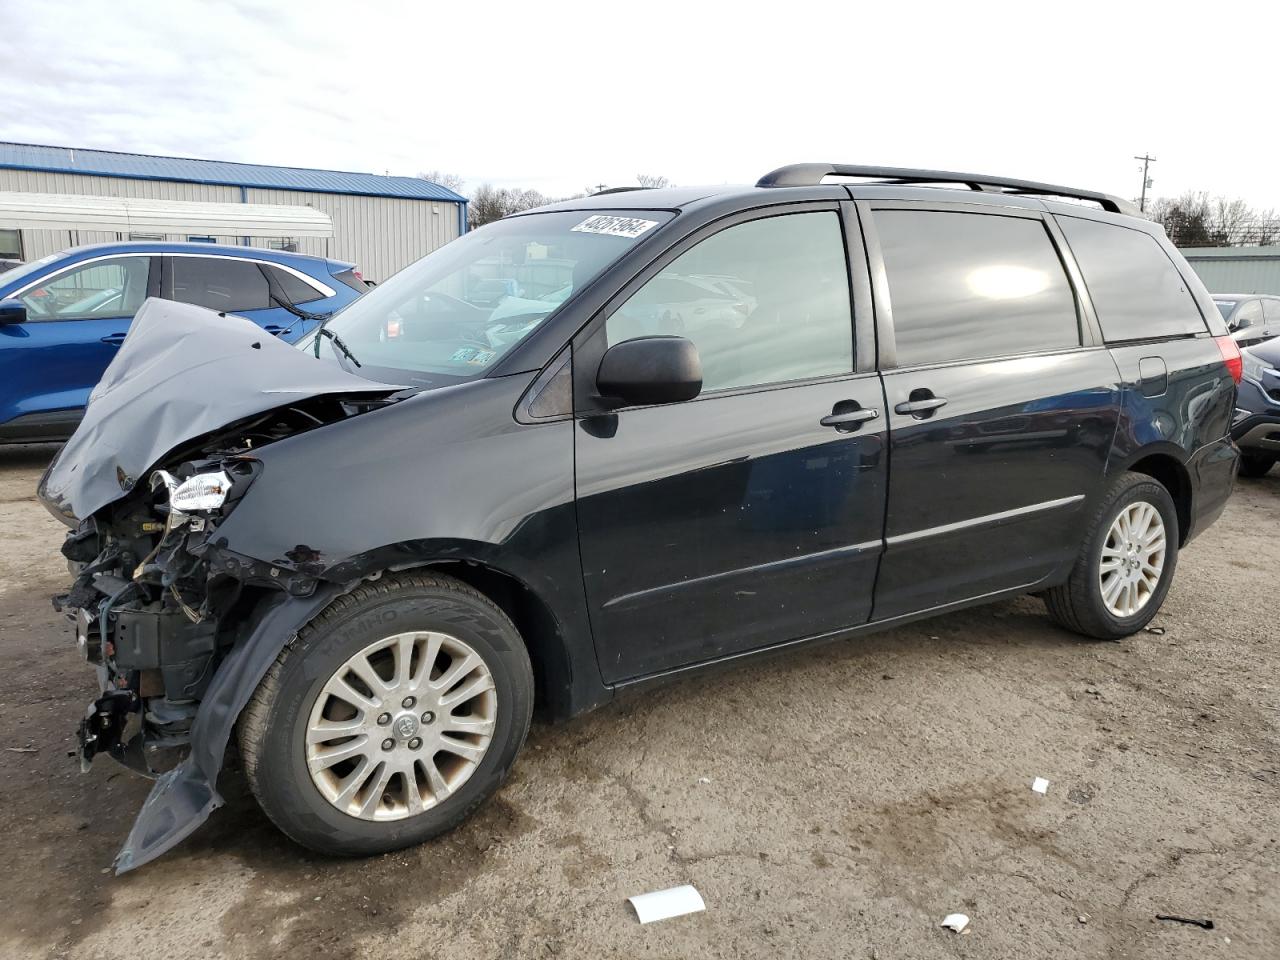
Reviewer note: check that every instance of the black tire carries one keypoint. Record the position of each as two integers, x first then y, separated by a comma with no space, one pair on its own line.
1255,465
1078,604
272,727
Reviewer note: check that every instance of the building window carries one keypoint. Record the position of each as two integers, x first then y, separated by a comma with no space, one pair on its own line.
147,236
200,240
287,244
10,245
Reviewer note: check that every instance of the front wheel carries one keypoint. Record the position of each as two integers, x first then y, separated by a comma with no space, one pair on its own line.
397,711
1126,564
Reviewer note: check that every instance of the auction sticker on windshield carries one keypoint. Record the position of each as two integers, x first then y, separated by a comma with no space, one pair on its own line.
629,227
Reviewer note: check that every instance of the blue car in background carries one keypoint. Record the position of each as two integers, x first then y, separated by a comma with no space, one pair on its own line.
63,317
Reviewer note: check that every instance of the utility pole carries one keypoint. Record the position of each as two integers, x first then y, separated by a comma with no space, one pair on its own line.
1146,180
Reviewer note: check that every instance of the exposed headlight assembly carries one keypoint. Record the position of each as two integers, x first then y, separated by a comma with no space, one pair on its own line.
204,491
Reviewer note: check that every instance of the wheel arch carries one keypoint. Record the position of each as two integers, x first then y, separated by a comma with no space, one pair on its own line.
534,620
1166,467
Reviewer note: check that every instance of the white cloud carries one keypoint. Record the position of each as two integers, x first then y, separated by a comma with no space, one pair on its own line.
556,96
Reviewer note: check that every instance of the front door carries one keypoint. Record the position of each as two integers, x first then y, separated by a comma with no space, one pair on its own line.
753,514
76,320
1000,417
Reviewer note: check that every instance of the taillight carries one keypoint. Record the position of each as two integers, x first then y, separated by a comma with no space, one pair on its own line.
1231,357
359,275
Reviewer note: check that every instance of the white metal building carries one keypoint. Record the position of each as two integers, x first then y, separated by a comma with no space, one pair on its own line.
1236,269
379,223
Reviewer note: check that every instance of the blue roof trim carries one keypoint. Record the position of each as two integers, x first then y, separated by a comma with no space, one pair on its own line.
136,166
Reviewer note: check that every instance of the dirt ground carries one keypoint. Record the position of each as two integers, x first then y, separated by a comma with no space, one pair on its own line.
838,802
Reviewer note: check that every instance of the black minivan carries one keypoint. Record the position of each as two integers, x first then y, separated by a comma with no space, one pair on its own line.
691,425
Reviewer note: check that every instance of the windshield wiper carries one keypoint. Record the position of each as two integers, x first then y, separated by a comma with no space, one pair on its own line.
298,312
323,331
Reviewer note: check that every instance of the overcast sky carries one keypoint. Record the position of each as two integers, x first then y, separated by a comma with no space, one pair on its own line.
555,96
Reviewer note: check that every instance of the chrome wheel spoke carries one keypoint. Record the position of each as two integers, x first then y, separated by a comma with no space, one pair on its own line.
452,724
322,759
375,789
461,748
386,749
456,672
468,690
324,731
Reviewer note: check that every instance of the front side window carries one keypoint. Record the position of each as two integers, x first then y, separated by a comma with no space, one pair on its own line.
219,283
965,286
1137,291
104,288
456,312
765,301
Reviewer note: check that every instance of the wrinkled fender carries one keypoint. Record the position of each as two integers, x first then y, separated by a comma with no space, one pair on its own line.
183,798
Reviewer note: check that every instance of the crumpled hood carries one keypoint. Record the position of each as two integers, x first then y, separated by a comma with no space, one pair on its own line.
182,372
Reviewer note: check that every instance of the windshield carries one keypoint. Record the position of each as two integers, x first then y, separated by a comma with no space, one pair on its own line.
452,315
26,269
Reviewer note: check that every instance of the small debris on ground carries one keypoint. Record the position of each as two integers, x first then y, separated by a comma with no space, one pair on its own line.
23,749
1040,785
704,779
1158,631
956,922
1083,918
1203,924
664,904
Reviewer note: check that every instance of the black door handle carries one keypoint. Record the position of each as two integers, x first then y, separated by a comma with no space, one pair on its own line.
114,339
925,406
849,419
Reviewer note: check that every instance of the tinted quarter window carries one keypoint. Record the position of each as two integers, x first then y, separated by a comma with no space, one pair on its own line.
297,291
765,301
1137,291
1271,309
220,283
964,286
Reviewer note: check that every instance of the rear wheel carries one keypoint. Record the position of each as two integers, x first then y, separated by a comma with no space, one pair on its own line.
1255,465
1126,565
397,711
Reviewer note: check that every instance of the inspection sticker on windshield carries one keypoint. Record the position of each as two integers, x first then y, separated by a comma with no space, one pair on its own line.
473,355
629,227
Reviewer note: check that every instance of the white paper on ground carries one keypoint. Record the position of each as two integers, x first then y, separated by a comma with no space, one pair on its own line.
955,921
1040,785
662,904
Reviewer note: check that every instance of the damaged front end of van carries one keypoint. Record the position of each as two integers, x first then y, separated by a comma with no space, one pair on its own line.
178,626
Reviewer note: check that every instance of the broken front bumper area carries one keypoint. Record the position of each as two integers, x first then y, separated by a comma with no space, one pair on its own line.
153,665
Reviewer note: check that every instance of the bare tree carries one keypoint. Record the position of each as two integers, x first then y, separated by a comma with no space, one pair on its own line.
652,180
1196,219
490,203
450,181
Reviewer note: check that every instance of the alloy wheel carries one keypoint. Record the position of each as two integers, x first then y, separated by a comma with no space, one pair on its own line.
1133,558
401,725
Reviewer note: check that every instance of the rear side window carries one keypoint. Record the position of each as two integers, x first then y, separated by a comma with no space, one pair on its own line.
220,283
1137,291
297,291
1271,309
965,286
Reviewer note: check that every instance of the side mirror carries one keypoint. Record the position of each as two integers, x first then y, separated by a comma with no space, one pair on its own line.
650,370
12,311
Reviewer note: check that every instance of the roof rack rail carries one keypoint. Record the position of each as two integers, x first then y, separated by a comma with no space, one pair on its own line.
601,193
812,174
